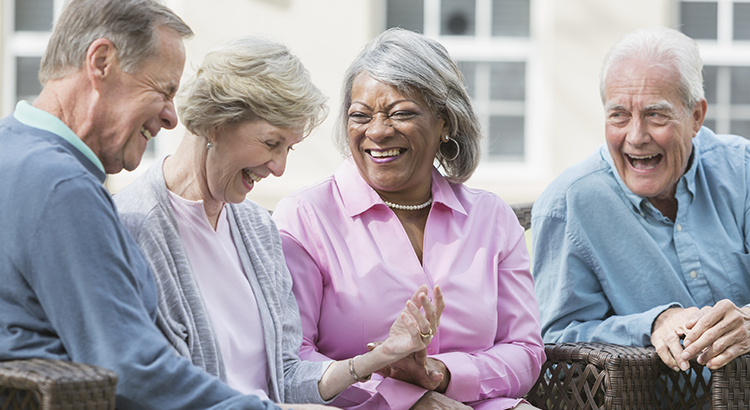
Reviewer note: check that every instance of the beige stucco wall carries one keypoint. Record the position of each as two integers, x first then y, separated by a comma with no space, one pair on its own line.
572,37
581,32
325,34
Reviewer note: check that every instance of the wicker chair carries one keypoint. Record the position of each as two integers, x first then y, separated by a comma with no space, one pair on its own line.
55,385
607,376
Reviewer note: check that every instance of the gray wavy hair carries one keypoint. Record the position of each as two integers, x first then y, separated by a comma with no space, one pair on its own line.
662,46
246,79
419,67
131,25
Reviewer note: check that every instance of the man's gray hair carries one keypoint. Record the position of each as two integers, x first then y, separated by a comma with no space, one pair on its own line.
131,25
665,47
420,67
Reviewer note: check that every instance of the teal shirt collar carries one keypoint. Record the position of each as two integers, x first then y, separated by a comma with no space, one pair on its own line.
29,115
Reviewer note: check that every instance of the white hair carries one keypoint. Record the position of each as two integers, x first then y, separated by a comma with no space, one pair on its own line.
665,47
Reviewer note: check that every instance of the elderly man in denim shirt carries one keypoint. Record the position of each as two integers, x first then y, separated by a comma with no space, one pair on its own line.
645,242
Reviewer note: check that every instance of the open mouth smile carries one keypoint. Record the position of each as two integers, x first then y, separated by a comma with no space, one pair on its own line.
252,176
146,133
644,162
385,154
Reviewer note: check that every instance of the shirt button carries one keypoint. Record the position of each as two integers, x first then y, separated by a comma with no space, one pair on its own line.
679,229
693,274
430,350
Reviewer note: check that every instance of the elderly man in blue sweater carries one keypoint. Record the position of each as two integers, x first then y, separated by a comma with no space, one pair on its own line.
646,241
75,286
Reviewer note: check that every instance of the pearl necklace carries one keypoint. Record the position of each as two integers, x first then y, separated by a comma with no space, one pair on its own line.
408,207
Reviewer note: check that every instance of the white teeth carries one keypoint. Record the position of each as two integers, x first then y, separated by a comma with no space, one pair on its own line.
146,133
642,157
252,175
383,154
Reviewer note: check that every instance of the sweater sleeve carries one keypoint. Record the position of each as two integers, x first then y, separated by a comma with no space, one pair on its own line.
95,287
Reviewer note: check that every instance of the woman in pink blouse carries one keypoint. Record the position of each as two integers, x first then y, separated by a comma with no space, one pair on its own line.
388,221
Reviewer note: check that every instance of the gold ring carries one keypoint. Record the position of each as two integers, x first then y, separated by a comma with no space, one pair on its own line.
428,335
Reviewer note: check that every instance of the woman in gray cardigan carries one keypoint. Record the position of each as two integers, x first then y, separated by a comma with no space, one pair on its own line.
225,294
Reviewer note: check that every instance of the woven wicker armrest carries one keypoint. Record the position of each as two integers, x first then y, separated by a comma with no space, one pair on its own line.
596,376
730,385
55,385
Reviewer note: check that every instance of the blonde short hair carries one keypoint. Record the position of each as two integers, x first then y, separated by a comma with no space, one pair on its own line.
248,79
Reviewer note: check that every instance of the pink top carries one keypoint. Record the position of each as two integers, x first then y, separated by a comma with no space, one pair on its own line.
354,268
229,299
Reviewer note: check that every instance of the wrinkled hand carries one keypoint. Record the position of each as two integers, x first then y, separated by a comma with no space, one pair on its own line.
306,407
668,327
716,335
438,401
420,370
407,334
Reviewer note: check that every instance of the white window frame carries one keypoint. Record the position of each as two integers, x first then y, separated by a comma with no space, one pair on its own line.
723,52
483,47
19,44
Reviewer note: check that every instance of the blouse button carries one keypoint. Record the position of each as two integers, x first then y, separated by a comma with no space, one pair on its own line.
430,350
693,274
679,228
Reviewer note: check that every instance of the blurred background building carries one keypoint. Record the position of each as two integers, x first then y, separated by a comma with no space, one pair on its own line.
531,67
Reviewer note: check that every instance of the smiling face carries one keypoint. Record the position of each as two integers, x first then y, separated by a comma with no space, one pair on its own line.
134,107
393,139
649,130
243,155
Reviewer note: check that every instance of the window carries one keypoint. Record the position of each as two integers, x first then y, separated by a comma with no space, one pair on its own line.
491,41
722,30
27,27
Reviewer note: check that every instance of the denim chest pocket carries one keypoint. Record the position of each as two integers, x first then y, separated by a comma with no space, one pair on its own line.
737,268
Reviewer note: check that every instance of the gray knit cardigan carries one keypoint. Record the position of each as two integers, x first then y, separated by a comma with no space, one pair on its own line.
146,212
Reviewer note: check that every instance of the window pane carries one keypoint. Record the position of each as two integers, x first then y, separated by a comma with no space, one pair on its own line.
508,81
469,70
699,19
506,136
740,127
27,78
34,15
408,14
457,17
741,21
740,85
510,18
709,82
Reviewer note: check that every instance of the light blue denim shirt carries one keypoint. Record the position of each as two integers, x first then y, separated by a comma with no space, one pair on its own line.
606,262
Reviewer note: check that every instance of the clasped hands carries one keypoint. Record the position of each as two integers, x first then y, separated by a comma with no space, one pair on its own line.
714,335
410,330
409,337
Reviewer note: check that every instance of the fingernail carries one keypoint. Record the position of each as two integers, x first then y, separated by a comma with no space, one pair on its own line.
686,343
684,366
371,344
685,356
